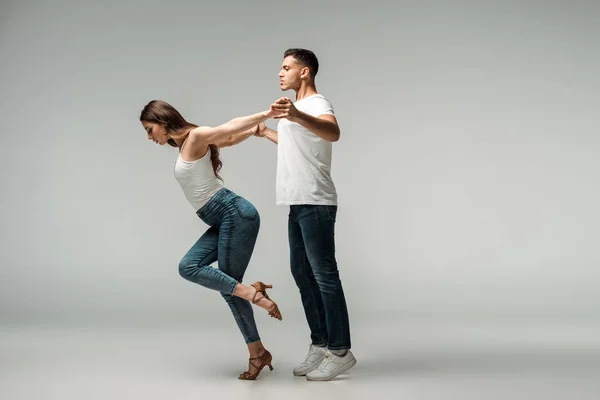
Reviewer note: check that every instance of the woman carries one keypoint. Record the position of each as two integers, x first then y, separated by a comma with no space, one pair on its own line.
233,221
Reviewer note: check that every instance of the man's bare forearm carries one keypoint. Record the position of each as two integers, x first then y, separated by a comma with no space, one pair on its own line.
272,135
325,129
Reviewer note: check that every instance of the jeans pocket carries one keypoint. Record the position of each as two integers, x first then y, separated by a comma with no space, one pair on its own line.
331,212
245,209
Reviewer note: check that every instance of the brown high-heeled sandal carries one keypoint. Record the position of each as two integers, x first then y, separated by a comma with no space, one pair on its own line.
262,288
265,359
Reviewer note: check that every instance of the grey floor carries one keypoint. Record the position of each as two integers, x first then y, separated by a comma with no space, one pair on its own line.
399,357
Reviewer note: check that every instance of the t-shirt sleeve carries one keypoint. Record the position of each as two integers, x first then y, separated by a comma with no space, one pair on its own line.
322,106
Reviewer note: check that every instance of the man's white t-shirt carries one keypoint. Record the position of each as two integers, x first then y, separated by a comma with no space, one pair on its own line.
304,159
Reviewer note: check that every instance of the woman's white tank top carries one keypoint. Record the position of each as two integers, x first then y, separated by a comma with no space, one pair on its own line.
197,180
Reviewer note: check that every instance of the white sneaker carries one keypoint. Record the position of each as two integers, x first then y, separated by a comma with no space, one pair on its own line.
332,366
313,359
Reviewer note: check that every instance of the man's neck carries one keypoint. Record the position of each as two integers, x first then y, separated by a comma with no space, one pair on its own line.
305,91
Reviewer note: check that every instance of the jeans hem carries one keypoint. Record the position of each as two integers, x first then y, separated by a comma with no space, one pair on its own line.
339,347
232,289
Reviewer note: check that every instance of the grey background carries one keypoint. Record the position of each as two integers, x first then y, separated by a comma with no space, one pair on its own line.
467,168
467,174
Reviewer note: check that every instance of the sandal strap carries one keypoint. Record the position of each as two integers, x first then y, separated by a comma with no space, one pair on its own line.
257,291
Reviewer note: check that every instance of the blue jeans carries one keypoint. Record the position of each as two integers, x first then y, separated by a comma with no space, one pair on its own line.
311,230
233,228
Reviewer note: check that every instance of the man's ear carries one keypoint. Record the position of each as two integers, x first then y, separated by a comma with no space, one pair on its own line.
304,72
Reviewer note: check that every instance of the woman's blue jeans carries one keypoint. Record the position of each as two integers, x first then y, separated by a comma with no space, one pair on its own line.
233,228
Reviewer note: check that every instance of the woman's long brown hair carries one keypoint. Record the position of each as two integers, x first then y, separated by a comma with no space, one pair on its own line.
161,112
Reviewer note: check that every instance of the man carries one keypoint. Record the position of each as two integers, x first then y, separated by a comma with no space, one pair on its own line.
305,135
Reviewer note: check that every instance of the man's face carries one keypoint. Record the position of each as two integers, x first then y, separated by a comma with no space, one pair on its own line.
291,74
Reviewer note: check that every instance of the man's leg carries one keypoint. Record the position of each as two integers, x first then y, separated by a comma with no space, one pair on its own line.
305,280
310,295
318,232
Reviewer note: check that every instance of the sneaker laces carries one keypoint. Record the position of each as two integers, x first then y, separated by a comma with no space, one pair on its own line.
325,362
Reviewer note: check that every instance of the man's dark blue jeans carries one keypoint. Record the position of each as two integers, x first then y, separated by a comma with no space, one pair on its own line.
311,234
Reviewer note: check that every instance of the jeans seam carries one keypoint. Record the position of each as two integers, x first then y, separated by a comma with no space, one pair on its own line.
241,317
305,261
227,256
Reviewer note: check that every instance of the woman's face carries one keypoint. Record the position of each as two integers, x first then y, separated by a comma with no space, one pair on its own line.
156,132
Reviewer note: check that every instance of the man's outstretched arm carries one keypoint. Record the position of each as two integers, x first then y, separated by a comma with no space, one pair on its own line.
268,133
325,125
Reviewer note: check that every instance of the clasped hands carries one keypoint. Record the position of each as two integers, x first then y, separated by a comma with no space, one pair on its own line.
281,108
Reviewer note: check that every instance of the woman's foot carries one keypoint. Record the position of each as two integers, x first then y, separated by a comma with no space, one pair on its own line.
262,299
256,364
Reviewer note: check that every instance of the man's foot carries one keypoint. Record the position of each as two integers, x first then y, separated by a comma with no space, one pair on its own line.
313,359
332,366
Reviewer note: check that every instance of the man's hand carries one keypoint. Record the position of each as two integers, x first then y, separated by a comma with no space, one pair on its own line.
260,130
325,126
286,109
264,132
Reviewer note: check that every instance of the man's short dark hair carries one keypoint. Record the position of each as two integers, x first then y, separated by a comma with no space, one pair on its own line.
306,58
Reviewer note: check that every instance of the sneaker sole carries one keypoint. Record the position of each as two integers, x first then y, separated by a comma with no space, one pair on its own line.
345,368
302,373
